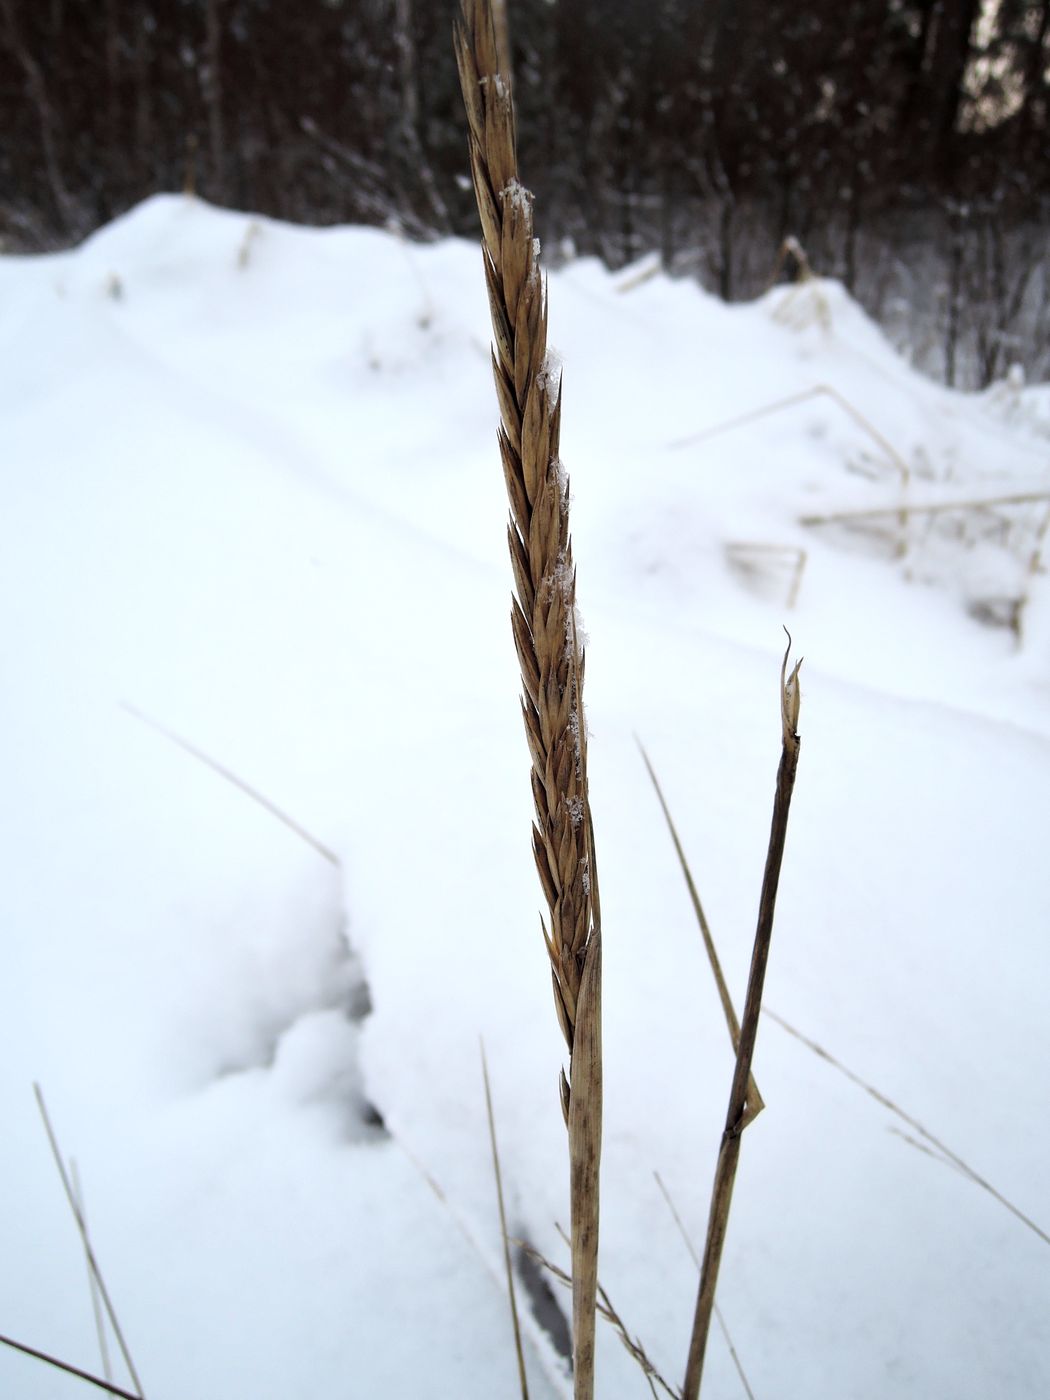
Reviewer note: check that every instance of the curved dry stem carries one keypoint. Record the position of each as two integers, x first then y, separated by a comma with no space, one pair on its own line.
736,1121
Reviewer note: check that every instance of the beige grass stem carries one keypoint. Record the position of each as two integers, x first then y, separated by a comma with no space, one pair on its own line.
729,1150
543,616
792,401
896,461
515,1321
843,517
755,1102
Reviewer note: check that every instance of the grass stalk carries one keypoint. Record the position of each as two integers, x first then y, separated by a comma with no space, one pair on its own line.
891,454
96,1297
792,401
515,1321
843,517
748,557
734,1354
632,1345
729,1149
70,1370
755,1102
1035,567
85,1240
938,1148
543,617
235,781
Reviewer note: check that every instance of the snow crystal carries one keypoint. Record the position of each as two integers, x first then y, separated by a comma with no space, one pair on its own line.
558,467
576,637
516,195
549,376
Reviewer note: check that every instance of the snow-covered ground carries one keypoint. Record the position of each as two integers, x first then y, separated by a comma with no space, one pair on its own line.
250,496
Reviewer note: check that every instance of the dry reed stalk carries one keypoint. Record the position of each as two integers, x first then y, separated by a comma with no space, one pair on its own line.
50,1360
729,1150
546,636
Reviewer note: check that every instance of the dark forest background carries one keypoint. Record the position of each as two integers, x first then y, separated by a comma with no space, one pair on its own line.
903,143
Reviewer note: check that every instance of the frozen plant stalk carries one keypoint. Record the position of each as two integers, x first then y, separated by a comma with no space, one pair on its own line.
548,644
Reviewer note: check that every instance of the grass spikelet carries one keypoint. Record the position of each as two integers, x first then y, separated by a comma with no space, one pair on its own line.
546,638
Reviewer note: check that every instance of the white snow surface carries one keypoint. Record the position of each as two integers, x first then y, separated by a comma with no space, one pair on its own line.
251,491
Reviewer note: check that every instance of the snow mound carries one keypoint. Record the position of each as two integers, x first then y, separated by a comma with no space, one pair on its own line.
265,823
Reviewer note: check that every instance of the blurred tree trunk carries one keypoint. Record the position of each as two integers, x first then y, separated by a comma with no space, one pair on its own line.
949,48
51,135
211,92
413,153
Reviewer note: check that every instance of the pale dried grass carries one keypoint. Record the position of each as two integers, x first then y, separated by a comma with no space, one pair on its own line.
544,624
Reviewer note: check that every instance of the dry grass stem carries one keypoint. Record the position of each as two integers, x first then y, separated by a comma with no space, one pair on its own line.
1035,567
755,1102
931,1144
793,249
752,560
945,1152
729,1150
543,617
896,461
696,1260
515,1322
237,782
88,1251
844,517
792,401
96,1299
50,1360
643,272
606,1310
